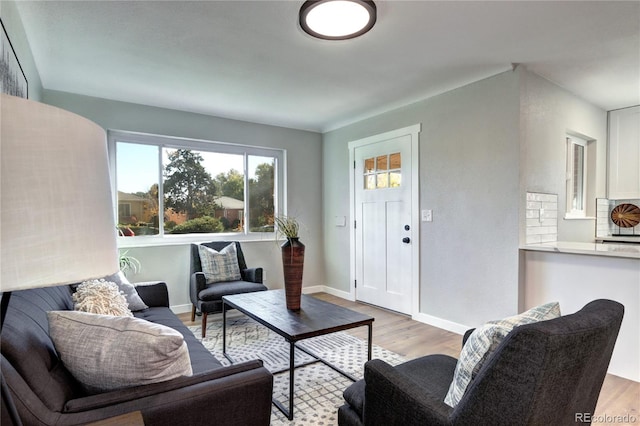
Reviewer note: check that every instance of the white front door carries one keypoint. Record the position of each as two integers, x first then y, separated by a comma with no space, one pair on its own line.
384,223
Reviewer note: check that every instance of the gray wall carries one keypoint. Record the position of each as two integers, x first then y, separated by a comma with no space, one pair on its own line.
13,24
469,177
170,263
548,113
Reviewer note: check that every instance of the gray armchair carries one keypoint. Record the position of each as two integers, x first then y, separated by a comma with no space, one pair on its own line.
207,298
545,373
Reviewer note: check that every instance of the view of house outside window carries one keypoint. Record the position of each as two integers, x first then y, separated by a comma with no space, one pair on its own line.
191,187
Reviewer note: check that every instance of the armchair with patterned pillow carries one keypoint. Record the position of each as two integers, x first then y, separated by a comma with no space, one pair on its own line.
219,269
524,370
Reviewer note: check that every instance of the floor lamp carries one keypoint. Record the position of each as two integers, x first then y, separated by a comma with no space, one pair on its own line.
57,215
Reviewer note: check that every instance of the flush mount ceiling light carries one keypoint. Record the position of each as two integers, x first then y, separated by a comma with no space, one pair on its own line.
337,19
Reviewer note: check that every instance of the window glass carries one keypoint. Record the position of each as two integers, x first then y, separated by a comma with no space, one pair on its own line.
137,183
576,176
170,186
203,191
261,193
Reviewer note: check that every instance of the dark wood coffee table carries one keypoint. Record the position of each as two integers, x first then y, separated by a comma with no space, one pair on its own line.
315,318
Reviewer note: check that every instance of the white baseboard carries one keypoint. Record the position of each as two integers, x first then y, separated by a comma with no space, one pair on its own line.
330,290
181,309
313,289
444,324
424,318
339,293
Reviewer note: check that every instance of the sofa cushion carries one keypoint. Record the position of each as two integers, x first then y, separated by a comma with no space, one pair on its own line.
216,291
101,297
484,341
201,359
105,352
220,266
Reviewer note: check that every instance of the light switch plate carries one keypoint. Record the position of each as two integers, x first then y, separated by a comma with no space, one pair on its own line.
341,221
427,215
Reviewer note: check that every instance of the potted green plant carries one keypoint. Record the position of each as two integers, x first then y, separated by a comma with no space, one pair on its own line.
128,263
292,259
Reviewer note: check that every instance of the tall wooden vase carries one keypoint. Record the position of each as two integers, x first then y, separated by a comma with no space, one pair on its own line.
293,263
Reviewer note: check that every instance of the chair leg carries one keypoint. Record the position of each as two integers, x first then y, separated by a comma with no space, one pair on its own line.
193,313
204,324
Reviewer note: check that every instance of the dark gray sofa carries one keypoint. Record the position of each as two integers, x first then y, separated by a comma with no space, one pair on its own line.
45,393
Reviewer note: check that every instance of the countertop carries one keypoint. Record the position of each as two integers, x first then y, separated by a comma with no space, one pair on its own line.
596,249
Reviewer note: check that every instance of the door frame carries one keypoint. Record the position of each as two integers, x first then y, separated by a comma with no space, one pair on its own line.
414,132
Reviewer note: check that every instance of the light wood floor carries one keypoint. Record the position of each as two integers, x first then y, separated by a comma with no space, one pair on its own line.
412,339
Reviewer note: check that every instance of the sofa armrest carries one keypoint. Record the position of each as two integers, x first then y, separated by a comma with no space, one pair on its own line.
197,283
253,275
153,293
391,398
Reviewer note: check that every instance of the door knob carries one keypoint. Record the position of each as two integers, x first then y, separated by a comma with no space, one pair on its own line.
406,240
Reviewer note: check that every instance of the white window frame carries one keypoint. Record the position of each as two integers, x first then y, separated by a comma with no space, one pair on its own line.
280,204
571,212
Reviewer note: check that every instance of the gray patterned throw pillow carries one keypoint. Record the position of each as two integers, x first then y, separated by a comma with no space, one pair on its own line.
219,266
106,353
484,341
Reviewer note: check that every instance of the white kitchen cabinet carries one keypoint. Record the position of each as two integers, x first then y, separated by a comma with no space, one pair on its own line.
624,154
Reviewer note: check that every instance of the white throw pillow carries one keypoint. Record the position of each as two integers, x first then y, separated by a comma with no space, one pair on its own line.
483,342
105,352
219,266
101,297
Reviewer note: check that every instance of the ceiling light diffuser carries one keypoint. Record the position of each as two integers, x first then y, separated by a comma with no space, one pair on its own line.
337,19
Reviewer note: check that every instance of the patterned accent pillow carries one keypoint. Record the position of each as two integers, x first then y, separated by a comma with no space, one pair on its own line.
130,293
219,266
101,297
484,341
105,352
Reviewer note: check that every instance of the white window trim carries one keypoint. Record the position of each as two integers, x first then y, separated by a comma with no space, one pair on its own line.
570,212
280,204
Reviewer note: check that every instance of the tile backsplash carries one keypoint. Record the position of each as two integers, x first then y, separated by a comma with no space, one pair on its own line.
605,226
542,218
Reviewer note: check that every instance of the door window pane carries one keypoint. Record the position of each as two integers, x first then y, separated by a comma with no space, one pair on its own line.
381,163
395,179
369,165
382,180
370,182
383,171
395,161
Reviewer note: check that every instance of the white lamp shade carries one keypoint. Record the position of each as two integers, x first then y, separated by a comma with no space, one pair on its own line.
56,207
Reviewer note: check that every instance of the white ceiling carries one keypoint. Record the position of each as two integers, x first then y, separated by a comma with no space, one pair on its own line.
249,60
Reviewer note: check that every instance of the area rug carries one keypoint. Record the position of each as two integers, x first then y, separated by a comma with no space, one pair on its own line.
318,389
